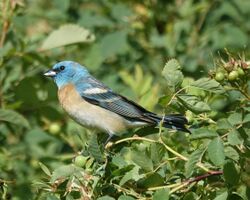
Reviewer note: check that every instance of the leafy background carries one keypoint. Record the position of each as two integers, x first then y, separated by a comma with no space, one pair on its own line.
45,155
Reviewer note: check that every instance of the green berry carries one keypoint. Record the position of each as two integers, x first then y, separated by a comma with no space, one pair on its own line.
54,128
219,76
80,160
233,75
241,72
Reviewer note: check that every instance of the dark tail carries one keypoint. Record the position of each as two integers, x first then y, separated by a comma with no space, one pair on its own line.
175,121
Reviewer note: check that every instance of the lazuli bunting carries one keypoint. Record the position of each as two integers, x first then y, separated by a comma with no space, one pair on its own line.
92,104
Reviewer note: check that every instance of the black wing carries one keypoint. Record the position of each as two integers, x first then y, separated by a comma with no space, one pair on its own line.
119,105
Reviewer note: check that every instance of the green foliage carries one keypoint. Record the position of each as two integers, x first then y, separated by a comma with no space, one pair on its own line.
65,35
216,151
45,155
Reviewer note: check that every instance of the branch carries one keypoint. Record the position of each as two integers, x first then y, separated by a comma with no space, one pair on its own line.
196,179
200,165
177,186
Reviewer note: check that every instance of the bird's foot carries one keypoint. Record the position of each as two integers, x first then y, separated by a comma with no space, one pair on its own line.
108,143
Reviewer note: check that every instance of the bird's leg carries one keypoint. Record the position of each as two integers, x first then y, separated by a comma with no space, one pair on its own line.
111,135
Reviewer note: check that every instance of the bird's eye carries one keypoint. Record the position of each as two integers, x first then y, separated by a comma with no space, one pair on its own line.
62,67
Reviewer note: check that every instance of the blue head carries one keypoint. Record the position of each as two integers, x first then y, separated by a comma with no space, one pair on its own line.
67,72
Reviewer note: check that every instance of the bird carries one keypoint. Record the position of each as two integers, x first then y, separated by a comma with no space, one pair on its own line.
94,105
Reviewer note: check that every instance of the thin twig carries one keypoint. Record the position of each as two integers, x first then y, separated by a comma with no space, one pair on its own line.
226,134
129,192
201,177
134,138
175,94
177,186
196,179
164,186
200,165
7,181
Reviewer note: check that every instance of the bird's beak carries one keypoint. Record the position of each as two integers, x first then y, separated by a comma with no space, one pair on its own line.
50,73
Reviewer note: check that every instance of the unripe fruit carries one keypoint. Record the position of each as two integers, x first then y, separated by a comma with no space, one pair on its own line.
219,76
80,160
241,72
233,75
54,128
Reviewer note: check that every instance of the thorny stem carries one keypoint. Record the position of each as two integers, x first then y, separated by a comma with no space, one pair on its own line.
196,179
177,186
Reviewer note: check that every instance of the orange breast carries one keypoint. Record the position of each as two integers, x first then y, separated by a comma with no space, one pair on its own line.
90,115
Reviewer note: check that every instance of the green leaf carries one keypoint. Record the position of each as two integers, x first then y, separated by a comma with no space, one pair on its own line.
172,73
230,173
45,169
64,172
127,78
162,194
141,159
14,118
246,118
65,35
193,103
94,148
231,153
223,124
119,43
121,12
119,161
106,198
191,196
131,175
61,5
209,85
28,99
164,100
89,19
52,197
151,180
222,196
123,197
234,137
202,133
235,118
193,159
216,152
157,152
95,57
